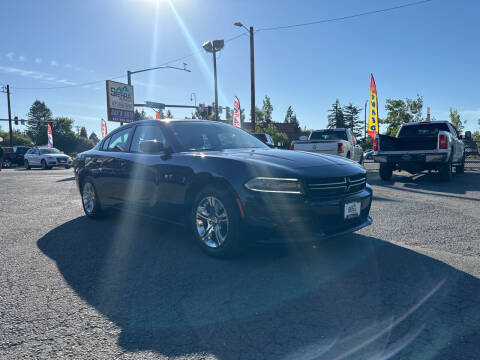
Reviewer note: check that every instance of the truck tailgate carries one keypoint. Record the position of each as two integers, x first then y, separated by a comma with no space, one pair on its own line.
390,143
321,146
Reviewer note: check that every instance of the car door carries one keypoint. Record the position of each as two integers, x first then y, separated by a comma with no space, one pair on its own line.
113,182
34,158
145,167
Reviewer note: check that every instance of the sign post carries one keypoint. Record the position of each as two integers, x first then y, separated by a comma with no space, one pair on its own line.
120,104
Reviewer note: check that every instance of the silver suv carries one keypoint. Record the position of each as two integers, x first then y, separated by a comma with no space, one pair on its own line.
46,158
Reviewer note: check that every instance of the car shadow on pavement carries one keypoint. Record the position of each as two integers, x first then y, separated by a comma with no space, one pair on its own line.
355,296
460,184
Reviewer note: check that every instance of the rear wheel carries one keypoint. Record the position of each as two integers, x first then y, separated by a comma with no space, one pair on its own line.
91,204
460,169
348,155
446,172
215,222
26,164
386,172
7,164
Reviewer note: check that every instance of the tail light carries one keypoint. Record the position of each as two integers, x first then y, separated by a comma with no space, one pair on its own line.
375,143
339,147
292,147
442,142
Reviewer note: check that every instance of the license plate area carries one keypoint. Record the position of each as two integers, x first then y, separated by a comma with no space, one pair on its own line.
352,209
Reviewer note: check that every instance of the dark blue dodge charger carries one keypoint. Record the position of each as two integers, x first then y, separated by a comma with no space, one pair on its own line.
228,187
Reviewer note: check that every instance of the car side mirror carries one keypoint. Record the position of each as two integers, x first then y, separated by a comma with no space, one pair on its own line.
151,147
468,135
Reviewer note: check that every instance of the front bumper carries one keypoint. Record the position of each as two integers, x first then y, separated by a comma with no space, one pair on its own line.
411,158
56,162
274,218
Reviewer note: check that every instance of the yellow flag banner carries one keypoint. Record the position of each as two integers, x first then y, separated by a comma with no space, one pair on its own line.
373,113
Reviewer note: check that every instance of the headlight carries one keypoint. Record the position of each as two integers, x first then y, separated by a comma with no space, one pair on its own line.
275,185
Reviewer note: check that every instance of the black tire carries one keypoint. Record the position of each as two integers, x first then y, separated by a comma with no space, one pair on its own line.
361,160
96,211
386,172
67,166
44,165
26,164
446,171
460,169
348,155
232,245
7,164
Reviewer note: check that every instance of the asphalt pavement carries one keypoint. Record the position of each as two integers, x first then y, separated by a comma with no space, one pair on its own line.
125,287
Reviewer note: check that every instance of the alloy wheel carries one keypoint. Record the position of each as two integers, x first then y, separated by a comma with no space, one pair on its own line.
211,222
88,198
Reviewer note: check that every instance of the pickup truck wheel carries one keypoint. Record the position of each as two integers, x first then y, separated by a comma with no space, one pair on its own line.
446,172
7,164
215,223
348,155
460,169
386,172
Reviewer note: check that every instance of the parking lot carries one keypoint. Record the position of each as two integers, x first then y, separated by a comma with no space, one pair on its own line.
125,287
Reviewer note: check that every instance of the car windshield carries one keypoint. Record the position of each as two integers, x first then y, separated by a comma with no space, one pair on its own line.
422,130
204,136
329,135
50,151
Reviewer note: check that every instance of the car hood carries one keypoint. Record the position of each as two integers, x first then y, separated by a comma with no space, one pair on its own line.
302,163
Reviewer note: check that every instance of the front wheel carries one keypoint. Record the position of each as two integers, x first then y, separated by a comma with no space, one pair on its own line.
7,164
26,164
386,172
67,166
215,222
91,204
460,169
44,165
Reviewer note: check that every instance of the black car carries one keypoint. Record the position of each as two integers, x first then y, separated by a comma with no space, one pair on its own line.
15,157
224,184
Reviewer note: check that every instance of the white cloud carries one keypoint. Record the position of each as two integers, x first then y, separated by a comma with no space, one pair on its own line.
10,56
470,113
37,75
53,63
68,66
38,60
51,78
22,58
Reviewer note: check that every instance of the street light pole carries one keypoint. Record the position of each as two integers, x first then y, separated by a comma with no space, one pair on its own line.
9,116
365,127
252,72
213,47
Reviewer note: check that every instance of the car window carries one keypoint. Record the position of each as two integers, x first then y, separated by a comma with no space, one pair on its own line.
145,133
119,141
105,144
329,135
422,130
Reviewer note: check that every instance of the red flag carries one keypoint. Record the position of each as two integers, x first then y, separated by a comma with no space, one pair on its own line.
158,115
50,136
104,128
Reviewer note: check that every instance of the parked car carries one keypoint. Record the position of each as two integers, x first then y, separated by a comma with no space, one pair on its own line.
419,146
46,158
265,138
331,141
368,155
223,183
471,147
14,156
6,151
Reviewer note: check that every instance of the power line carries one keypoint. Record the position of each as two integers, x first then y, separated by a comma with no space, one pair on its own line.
415,3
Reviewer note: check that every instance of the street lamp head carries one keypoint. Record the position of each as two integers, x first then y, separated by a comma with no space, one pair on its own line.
208,46
239,24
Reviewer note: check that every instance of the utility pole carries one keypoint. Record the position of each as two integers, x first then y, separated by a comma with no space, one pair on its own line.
6,89
365,127
252,72
215,78
252,78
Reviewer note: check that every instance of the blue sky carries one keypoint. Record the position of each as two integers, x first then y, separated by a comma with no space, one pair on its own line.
430,49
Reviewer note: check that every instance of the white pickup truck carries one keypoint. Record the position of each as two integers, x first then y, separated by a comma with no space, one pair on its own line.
331,141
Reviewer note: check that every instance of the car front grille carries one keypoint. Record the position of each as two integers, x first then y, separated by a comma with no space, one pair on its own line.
326,187
61,160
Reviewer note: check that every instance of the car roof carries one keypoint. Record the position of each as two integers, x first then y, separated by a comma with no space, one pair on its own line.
334,129
426,122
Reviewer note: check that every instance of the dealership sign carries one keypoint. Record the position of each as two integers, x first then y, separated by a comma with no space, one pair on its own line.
120,106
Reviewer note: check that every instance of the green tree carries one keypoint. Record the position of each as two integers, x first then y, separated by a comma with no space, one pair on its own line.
94,138
38,115
267,110
259,117
352,120
336,118
142,115
455,119
291,118
19,139
400,112
83,132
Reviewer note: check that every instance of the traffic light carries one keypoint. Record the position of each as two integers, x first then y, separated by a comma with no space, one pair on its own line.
209,111
15,119
227,113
